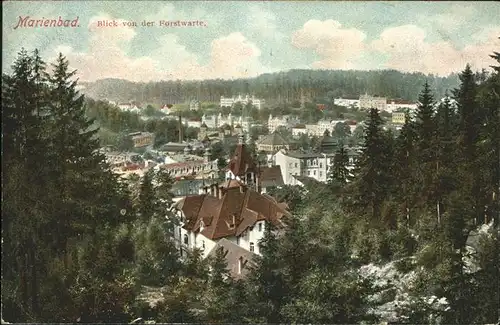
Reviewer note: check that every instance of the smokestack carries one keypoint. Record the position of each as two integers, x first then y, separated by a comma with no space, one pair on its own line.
180,128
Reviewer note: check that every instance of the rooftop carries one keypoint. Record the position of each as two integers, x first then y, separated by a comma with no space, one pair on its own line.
230,215
274,139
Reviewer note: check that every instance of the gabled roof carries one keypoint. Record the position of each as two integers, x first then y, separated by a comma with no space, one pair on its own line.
238,209
241,162
271,176
274,139
233,253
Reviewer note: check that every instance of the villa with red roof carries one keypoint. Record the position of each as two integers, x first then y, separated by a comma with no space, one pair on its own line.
234,211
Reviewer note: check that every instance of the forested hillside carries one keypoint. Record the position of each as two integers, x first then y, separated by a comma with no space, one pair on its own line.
275,88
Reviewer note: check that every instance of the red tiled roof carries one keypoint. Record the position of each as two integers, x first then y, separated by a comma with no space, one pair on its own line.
242,162
241,204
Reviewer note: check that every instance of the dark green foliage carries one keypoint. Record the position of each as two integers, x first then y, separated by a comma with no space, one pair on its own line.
339,174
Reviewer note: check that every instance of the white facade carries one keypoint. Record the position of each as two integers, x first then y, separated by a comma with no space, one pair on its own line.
194,105
248,240
230,101
194,124
286,121
393,106
314,165
216,121
368,102
345,102
298,131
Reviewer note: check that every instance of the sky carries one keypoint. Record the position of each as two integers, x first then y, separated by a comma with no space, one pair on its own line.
244,39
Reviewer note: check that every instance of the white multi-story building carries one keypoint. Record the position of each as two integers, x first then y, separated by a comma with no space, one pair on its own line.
230,101
129,107
395,104
367,102
347,102
287,121
310,164
216,121
193,123
194,105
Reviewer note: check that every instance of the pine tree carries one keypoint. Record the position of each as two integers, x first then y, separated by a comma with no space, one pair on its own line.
404,160
339,174
469,126
425,134
489,144
445,179
268,282
218,292
147,204
372,171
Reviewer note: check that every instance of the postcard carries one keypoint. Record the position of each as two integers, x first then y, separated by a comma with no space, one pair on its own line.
250,162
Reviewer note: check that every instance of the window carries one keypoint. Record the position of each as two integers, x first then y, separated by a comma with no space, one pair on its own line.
260,226
295,165
203,244
314,173
320,174
320,165
238,240
308,172
252,247
240,264
186,239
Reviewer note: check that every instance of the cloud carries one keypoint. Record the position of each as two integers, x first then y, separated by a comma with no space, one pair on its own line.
408,49
337,47
263,23
231,56
456,16
106,57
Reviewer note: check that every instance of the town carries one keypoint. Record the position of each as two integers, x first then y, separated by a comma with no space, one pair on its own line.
287,163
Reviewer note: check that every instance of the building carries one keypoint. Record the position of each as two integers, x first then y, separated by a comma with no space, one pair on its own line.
229,102
314,165
194,105
237,258
271,143
287,121
129,107
233,211
186,187
142,139
398,118
193,123
347,102
397,105
192,166
367,102
298,130
211,121
203,132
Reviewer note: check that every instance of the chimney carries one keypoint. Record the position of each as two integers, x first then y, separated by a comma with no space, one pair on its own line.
180,128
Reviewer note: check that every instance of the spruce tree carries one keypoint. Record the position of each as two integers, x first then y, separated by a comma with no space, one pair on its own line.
425,134
404,160
373,170
267,279
147,204
339,174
